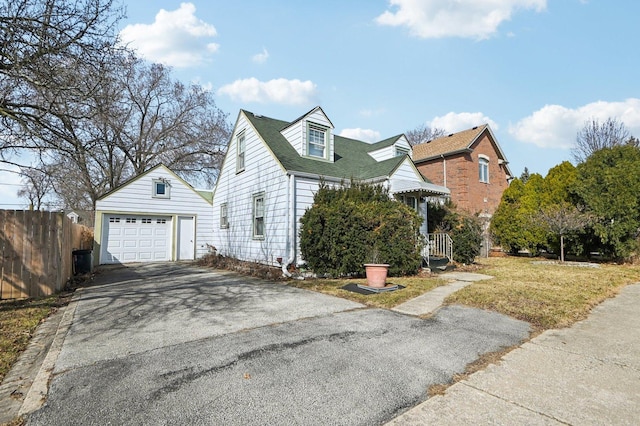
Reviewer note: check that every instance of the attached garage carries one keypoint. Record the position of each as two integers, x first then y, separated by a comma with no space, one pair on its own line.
152,218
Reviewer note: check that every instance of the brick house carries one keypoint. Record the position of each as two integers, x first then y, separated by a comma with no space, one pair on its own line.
471,164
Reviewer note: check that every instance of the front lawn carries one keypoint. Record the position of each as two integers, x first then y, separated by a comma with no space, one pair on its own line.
545,295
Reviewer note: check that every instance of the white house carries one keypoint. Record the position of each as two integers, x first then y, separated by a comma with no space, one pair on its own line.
156,216
273,168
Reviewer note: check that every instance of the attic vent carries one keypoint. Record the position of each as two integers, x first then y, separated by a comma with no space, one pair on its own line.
475,127
257,115
450,134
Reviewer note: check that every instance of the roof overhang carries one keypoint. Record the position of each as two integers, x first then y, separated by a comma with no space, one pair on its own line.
424,188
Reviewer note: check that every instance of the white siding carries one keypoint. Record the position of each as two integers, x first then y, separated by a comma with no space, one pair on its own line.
262,173
406,171
137,197
383,153
390,151
306,189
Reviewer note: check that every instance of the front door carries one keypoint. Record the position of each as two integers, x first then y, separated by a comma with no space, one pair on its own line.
186,237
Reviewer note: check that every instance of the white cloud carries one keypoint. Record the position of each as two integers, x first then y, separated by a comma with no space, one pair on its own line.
177,38
261,58
556,126
454,122
280,91
365,135
454,18
372,112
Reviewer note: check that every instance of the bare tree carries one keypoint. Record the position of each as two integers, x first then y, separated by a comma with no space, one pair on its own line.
137,116
560,219
595,136
43,43
37,185
423,133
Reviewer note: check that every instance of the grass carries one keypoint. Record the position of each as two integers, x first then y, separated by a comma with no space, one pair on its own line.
18,321
545,295
414,286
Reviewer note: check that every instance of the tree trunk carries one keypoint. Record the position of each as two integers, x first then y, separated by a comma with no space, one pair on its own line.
561,248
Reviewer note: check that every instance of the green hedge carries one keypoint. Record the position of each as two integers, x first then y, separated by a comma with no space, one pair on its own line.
349,226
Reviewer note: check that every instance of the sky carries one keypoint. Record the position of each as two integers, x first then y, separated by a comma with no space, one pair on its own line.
534,70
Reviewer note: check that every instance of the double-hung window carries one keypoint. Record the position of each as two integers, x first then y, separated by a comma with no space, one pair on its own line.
224,216
317,141
258,216
483,169
240,150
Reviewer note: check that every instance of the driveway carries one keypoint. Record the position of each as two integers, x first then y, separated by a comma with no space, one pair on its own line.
178,344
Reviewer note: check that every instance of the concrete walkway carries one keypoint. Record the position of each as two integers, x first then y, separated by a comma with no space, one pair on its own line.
432,300
588,374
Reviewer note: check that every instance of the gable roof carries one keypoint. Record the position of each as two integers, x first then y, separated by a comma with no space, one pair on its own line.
351,156
456,143
208,199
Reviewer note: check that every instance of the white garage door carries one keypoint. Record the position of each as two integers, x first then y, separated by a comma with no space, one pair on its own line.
133,238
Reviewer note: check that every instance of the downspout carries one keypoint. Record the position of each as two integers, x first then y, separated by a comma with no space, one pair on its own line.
291,221
444,170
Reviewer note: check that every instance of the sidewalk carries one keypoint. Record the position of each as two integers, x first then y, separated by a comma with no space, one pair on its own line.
584,375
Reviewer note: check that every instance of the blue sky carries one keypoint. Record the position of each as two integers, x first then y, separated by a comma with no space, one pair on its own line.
535,70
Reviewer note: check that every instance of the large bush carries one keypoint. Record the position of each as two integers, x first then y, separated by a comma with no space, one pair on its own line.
349,226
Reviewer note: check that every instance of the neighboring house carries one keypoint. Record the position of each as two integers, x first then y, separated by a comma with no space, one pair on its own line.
273,168
155,216
83,217
471,164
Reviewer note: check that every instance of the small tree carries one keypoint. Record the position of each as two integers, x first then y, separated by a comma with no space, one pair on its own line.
561,219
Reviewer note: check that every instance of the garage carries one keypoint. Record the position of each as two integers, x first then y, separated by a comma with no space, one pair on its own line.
136,238
153,217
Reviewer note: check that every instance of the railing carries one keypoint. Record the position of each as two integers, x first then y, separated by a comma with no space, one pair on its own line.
438,244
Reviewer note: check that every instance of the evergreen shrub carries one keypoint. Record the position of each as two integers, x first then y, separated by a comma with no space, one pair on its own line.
350,225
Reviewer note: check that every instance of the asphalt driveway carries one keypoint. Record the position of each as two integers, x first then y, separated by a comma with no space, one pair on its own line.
178,344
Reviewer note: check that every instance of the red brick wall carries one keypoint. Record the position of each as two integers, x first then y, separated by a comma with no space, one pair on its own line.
467,192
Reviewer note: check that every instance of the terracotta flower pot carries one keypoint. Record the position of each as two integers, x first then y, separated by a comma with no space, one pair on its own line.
376,274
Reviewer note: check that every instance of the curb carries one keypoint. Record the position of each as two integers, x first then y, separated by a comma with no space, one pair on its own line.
39,388
25,386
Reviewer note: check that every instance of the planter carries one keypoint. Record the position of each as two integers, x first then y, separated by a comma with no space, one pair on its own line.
376,274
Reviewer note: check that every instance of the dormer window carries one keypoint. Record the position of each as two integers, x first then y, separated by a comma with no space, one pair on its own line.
317,141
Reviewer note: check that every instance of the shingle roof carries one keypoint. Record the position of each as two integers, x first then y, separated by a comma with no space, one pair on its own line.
351,158
446,145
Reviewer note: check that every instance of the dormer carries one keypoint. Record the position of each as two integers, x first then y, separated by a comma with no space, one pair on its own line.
311,135
389,148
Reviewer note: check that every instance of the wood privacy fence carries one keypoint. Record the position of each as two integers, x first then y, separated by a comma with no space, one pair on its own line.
36,252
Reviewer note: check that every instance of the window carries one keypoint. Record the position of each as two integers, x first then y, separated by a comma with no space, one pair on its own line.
483,169
411,202
240,152
317,138
145,220
161,188
114,220
224,220
161,221
401,150
258,216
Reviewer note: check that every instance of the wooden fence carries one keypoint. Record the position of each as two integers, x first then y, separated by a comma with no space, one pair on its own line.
36,252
